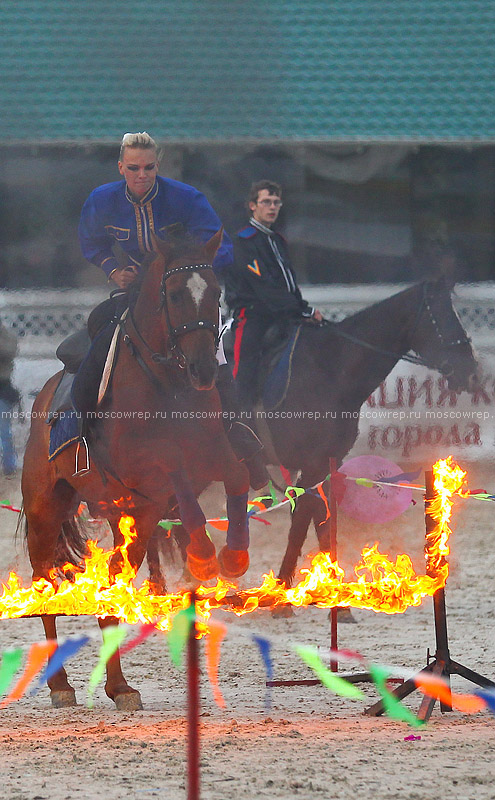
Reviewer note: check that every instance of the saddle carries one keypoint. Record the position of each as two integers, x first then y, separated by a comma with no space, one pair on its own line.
84,354
278,347
88,357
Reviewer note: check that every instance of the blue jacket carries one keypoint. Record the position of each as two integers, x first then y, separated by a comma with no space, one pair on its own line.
111,214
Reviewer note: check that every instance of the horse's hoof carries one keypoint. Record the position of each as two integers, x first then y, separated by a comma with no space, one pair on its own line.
283,612
203,569
233,563
187,581
157,588
344,616
63,699
128,701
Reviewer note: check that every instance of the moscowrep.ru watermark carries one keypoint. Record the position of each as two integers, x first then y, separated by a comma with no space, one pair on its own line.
372,415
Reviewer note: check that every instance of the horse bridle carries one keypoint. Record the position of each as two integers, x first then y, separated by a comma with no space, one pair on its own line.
174,334
425,305
176,357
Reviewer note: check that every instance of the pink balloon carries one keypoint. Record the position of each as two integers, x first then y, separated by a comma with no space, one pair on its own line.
377,503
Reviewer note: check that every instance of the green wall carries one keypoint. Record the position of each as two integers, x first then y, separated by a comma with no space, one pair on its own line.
210,70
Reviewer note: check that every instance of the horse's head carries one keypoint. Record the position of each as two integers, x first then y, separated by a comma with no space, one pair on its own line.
440,339
190,297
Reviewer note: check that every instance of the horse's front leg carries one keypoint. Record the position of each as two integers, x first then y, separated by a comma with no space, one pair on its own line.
234,556
301,518
116,687
201,555
158,584
308,507
62,693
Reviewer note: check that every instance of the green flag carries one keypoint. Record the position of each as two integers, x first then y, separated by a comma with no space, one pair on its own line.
11,661
297,490
329,679
179,633
364,482
113,637
272,493
393,707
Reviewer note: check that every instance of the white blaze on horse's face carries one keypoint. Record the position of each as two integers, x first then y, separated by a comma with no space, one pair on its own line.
197,286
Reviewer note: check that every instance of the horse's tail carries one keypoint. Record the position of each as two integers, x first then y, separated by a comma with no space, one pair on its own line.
72,543
21,521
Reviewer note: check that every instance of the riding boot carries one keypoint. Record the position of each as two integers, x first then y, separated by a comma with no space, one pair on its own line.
242,438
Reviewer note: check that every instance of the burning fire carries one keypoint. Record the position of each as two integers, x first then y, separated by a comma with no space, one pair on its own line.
380,584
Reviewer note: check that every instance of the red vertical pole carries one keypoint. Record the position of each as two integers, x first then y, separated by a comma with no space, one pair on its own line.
192,711
332,504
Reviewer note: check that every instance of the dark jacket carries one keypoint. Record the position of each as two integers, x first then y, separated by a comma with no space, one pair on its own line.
261,279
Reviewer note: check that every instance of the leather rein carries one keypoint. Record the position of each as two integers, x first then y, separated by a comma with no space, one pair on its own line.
413,359
176,356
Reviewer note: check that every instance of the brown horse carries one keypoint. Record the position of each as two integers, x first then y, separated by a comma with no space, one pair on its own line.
156,441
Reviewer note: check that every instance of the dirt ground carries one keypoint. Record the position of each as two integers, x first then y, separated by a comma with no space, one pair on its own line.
312,743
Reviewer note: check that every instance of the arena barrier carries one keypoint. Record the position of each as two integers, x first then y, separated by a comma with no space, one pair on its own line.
411,417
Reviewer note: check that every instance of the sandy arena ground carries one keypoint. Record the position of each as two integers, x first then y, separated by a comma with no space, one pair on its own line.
313,744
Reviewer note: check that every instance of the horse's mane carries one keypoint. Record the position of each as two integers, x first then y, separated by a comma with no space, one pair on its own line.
181,241
182,244
364,313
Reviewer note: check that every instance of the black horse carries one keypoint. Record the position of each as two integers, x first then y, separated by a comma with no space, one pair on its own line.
335,368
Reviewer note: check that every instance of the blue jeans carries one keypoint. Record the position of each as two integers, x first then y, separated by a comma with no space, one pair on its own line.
9,460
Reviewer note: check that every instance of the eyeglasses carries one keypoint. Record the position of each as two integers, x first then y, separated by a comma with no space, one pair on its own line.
266,202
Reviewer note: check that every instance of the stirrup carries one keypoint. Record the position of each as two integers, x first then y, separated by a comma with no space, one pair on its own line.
258,473
87,468
243,441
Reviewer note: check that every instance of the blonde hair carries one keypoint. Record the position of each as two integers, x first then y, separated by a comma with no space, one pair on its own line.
142,140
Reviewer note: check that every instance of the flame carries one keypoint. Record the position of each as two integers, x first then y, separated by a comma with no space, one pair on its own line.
449,478
380,584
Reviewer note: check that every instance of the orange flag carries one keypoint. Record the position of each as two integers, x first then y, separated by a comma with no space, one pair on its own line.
324,498
434,687
216,634
38,654
219,524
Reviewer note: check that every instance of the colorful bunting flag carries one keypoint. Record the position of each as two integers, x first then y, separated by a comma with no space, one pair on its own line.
488,695
179,633
324,498
431,685
273,494
393,707
168,524
265,648
216,634
145,630
63,652
435,687
329,679
11,661
365,482
293,490
37,656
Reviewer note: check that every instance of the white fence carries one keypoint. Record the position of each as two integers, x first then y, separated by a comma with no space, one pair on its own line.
409,419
